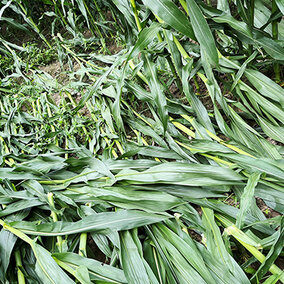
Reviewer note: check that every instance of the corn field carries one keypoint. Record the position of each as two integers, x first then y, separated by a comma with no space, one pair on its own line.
141,141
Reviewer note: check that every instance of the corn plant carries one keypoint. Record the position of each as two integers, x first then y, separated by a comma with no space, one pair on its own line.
145,156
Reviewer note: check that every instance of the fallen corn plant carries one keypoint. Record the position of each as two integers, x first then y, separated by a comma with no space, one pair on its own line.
153,152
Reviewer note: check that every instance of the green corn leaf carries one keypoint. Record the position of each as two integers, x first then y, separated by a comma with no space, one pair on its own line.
242,70
145,37
202,32
199,108
272,131
7,243
47,268
265,86
280,5
188,250
247,197
266,104
157,92
132,262
274,49
82,8
273,253
171,15
182,174
97,270
102,222
20,205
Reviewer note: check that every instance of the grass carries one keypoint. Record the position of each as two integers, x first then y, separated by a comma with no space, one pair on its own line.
136,138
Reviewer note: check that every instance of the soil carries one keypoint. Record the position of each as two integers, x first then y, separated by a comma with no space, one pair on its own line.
53,69
195,236
267,211
99,256
114,48
232,202
59,72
